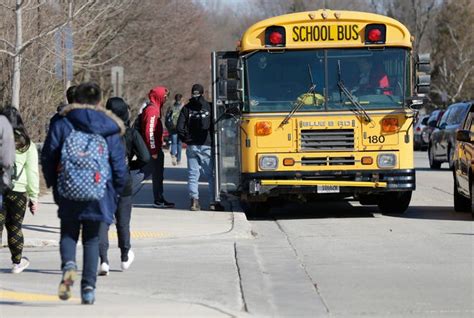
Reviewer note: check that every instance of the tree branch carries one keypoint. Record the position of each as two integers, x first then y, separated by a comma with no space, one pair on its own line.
7,43
56,27
7,52
7,7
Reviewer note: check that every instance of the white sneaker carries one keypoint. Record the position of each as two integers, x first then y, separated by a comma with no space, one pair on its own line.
104,269
18,268
173,160
131,257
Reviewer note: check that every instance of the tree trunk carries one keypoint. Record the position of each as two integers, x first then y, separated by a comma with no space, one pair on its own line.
16,82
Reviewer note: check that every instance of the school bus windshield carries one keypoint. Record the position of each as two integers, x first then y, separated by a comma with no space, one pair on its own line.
278,80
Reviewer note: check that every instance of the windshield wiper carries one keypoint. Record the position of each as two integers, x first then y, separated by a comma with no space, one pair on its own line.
300,101
359,109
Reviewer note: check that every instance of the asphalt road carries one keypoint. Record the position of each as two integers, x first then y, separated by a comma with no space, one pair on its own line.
362,263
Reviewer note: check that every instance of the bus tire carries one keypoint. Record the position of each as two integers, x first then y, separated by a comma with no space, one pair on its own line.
255,209
394,202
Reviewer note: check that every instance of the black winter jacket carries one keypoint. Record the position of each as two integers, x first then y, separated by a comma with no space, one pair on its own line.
134,144
135,147
195,122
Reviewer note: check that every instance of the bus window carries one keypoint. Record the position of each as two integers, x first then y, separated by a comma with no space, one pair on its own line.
276,80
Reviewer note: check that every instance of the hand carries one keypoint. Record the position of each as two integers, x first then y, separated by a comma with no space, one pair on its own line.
33,207
154,156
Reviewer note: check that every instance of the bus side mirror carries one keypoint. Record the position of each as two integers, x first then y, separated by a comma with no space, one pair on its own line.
423,80
423,83
416,102
423,63
228,83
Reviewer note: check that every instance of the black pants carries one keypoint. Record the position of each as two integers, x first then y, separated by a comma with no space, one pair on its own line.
122,223
11,216
156,168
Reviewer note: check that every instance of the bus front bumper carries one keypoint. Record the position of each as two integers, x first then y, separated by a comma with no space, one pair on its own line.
349,182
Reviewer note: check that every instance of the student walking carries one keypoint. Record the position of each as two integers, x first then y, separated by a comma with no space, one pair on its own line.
195,129
137,156
171,122
89,134
152,132
24,191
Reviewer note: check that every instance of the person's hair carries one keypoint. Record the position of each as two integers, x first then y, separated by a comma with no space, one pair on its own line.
178,97
88,93
71,94
22,139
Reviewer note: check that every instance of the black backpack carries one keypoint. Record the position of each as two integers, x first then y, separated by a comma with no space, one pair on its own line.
169,122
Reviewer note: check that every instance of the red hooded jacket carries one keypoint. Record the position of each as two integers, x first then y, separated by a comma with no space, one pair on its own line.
151,126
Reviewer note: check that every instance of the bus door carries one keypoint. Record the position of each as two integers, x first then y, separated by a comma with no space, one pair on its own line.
226,104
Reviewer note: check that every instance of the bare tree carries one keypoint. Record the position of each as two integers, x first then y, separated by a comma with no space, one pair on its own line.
15,50
453,52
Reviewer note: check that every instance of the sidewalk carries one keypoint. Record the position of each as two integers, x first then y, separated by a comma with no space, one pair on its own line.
185,264
42,229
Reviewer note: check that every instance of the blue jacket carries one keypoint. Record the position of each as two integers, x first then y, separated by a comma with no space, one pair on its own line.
95,120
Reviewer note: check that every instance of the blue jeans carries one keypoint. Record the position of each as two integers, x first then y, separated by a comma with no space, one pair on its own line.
176,147
199,158
122,223
90,240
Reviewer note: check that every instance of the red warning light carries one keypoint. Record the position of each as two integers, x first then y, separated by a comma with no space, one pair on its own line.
276,38
375,35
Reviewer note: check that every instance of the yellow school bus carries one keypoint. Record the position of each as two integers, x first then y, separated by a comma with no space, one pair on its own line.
318,105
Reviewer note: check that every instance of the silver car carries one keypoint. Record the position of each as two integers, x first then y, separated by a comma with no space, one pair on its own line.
419,142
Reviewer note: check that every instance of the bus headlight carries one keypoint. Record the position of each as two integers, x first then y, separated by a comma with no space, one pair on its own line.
268,162
386,160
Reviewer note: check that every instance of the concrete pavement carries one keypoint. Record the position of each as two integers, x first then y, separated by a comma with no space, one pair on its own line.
185,262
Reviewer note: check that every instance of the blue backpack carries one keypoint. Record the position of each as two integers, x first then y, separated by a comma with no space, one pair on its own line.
84,166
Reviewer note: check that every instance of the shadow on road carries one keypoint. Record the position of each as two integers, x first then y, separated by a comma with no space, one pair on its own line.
435,213
321,210
318,210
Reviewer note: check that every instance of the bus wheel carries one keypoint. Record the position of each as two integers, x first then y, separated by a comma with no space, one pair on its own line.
255,209
394,202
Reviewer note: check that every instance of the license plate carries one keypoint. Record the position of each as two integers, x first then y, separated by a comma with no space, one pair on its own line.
328,189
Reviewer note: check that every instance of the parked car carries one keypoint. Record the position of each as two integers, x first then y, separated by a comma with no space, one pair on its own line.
443,139
464,166
435,116
419,143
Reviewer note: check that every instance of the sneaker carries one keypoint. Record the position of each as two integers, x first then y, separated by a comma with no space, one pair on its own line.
69,275
104,269
131,257
18,268
195,205
216,206
163,204
88,295
173,160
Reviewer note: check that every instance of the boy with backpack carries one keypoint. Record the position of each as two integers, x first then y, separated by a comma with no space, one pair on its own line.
171,122
83,159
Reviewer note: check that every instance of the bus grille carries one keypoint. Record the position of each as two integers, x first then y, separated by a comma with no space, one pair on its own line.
328,139
328,161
